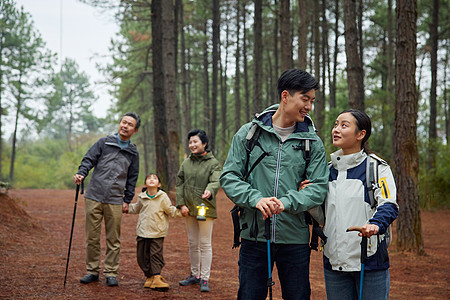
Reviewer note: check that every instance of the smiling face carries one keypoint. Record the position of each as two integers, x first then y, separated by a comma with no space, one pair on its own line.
195,145
297,106
346,134
127,127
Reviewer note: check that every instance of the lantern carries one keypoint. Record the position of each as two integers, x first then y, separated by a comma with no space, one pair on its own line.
201,212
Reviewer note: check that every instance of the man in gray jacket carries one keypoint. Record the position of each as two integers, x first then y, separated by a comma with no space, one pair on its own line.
116,168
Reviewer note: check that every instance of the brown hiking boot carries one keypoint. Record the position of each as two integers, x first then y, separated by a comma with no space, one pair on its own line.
159,284
148,282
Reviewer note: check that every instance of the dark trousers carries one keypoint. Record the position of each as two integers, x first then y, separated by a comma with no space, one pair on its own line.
292,263
150,255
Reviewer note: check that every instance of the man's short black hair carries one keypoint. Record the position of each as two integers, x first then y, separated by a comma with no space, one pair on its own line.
134,116
296,80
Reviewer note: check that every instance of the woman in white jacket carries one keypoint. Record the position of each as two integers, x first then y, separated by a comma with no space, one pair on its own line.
348,204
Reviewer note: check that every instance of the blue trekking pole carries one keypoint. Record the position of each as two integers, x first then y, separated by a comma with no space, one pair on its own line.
363,257
270,282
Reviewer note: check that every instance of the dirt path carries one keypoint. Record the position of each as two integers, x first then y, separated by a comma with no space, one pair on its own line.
33,256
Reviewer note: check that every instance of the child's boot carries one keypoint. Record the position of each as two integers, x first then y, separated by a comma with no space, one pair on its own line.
148,282
159,283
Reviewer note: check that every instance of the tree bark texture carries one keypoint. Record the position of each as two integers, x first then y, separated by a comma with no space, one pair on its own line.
355,73
285,36
215,73
303,34
409,231
159,103
170,92
257,56
432,135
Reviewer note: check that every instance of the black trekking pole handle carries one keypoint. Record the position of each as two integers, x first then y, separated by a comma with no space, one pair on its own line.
73,223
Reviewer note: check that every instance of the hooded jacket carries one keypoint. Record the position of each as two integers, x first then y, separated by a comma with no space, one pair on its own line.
153,221
198,173
115,173
348,204
279,174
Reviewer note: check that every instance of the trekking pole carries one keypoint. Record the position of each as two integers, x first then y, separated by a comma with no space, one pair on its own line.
270,283
363,257
71,230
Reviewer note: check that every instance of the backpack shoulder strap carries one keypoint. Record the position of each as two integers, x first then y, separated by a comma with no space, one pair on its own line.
372,164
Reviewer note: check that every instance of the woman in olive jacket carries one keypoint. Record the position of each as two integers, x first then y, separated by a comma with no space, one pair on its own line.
197,183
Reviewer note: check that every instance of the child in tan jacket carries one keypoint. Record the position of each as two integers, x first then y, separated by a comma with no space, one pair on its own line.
154,208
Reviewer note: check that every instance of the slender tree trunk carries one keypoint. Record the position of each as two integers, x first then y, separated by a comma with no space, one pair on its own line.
257,56
185,115
355,73
244,54
170,92
275,51
335,55
325,64
319,105
206,107
159,104
14,139
237,76
432,136
406,157
223,72
446,104
303,34
285,36
1,103
215,73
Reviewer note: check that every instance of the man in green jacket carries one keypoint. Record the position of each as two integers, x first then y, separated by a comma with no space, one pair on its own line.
271,189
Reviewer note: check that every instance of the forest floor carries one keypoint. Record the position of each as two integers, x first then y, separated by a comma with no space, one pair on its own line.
34,237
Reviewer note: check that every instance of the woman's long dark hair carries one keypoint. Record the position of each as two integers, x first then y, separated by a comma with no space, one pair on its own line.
363,123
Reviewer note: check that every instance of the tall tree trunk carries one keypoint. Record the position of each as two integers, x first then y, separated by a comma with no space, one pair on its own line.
244,54
406,157
335,55
224,90
14,139
206,107
185,115
170,92
355,73
159,104
285,36
303,34
257,56
275,52
319,105
446,104
215,73
237,76
389,101
432,136
1,103
325,66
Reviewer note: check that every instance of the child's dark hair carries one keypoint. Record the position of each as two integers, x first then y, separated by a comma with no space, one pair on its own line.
296,80
145,181
363,123
201,135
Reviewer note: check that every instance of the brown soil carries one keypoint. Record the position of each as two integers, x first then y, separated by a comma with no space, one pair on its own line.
34,242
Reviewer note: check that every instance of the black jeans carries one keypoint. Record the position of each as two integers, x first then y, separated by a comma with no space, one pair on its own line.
292,263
